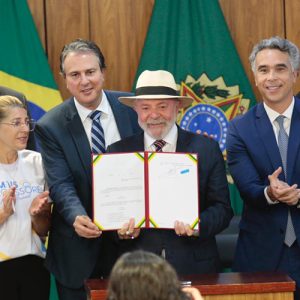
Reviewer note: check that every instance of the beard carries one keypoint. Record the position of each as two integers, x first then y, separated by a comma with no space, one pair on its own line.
157,133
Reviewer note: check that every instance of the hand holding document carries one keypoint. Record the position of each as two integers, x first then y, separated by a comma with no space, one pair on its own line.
153,188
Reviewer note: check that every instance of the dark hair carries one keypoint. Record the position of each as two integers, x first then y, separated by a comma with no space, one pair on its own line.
7,102
280,44
143,275
80,45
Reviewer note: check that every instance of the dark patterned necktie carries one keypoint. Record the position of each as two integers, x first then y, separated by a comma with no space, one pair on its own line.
97,133
283,139
159,144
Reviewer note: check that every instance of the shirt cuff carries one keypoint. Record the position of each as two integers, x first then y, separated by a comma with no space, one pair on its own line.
268,198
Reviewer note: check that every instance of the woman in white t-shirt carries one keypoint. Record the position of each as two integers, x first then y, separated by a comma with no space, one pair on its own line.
24,208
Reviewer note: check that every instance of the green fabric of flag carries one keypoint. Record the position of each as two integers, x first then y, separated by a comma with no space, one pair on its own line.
24,66
190,39
23,63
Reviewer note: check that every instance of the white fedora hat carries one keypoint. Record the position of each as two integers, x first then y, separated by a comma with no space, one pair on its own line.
158,84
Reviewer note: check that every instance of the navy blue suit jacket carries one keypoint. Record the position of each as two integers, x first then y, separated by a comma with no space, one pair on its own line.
189,255
253,154
67,159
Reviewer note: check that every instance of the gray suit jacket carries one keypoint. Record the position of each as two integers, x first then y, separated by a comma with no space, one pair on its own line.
67,158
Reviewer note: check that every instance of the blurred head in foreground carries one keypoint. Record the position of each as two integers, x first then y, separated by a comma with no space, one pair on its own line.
143,275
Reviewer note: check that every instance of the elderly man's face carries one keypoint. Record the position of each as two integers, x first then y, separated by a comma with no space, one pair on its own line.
157,117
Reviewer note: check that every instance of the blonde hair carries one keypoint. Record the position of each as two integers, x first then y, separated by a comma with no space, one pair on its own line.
7,102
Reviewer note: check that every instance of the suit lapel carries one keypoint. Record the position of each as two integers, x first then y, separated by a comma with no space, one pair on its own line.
294,140
75,127
121,115
137,143
182,141
264,128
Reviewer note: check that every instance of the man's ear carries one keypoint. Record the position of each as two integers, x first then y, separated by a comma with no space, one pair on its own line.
134,105
180,106
296,74
103,71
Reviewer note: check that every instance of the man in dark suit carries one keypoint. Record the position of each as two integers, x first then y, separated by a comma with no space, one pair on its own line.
264,160
157,105
6,91
65,135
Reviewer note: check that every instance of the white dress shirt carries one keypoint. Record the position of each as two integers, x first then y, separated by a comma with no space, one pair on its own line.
170,139
107,119
272,115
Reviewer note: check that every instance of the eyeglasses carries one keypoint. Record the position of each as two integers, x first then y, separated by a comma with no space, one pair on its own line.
18,124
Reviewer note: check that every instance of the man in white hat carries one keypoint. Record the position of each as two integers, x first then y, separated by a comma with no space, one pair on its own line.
157,104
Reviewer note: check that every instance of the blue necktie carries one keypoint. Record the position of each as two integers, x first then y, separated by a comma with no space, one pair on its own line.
97,133
159,144
283,139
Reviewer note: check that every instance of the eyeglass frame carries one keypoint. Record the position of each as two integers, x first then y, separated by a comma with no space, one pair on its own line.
30,124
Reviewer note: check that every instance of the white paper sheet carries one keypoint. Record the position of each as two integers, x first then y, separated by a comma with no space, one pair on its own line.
118,189
173,189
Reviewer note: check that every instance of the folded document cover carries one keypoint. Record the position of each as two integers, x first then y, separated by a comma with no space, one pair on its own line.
155,189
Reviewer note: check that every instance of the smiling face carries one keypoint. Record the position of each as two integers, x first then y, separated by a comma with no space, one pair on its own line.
14,138
157,117
275,78
84,78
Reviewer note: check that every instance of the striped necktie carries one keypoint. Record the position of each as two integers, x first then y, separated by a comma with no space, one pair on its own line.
283,139
97,133
159,144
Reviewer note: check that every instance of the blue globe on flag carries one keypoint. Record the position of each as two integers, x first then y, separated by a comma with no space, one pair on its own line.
207,118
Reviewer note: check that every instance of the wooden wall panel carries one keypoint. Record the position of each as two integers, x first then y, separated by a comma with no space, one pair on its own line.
119,27
249,22
37,8
292,10
65,20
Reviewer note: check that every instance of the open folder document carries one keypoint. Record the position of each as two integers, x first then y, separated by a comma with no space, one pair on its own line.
155,189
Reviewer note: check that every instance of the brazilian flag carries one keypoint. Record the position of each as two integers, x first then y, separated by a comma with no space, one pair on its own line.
190,39
23,63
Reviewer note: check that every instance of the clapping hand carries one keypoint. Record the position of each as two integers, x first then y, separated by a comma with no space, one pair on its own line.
281,191
40,213
9,200
39,204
